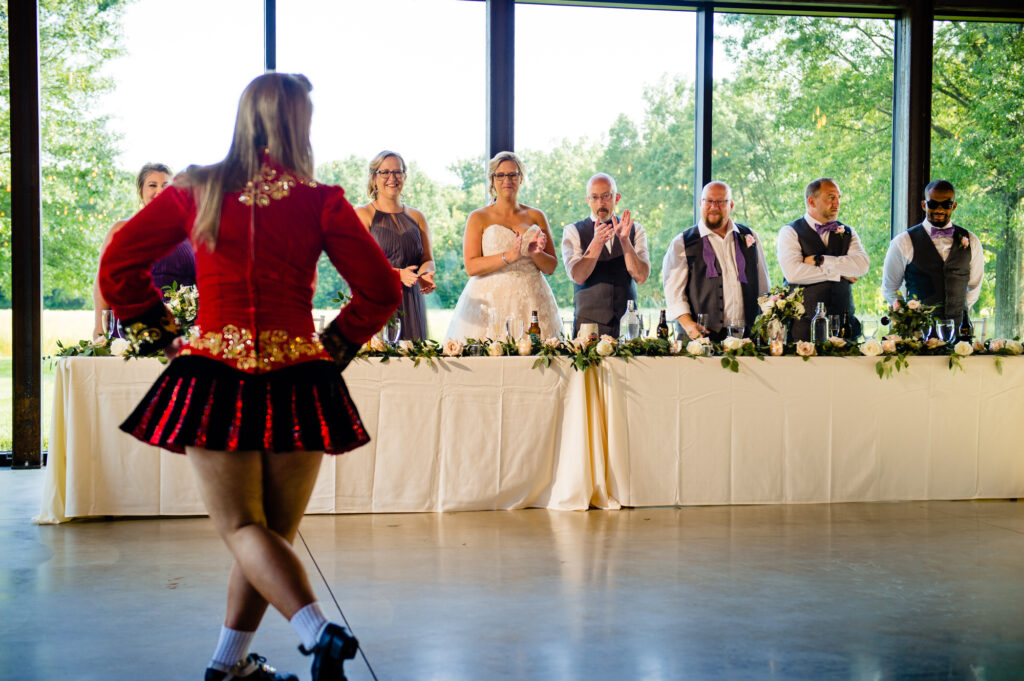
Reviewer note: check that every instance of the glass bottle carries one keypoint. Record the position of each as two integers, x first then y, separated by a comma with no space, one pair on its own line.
662,326
966,330
630,323
534,329
819,324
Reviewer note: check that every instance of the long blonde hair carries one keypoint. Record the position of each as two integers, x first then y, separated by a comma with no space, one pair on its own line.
274,116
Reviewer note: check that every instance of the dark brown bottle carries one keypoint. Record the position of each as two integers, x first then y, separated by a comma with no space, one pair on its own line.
966,330
534,329
663,327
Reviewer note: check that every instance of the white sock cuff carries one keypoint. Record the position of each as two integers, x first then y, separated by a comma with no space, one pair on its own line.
232,646
308,623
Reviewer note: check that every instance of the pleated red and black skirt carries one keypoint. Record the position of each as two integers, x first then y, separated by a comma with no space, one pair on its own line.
201,402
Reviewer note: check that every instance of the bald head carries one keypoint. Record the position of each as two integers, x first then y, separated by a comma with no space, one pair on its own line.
716,186
716,206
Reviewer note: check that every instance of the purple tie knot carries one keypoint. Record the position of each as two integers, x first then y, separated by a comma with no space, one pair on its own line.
827,227
937,232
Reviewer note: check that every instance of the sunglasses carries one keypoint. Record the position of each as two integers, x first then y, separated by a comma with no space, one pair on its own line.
933,204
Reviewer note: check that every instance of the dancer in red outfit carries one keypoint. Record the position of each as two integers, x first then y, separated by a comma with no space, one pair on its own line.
254,397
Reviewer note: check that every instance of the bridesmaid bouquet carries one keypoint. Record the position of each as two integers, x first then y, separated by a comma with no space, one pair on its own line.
780,308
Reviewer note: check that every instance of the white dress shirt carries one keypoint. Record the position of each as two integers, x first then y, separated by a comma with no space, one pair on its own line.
901,253
572,251
675,273
796,271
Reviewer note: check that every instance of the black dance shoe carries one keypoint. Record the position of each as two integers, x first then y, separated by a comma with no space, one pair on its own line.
329,654
252,668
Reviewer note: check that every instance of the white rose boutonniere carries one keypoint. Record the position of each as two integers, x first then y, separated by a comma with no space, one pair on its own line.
524,346
119,346
750,240
494,349
451,348
805,348
963,348
871,348
377,344
605,347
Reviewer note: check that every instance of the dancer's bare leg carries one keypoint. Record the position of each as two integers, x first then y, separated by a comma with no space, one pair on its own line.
256,502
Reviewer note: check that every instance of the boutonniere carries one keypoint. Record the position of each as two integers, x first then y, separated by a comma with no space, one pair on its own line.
964,242
840,230
750,240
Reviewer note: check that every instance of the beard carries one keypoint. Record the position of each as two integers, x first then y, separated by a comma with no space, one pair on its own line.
715,223
939,222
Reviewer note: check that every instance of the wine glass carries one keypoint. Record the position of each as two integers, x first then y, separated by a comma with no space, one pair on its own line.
834,325
703,320
869,327
514,328
945,329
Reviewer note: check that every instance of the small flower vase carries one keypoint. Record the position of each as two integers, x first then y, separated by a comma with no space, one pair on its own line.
777,332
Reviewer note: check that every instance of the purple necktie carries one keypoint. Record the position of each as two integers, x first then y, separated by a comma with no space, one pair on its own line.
827,227
709,259
947,232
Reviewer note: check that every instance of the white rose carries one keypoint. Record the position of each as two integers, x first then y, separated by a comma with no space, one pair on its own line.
119,347
494,349
731,343
766,306
605,348
552,342
914,304
805,348
695,347
377,344
837,341
996,344
451,348
871,348
799,307
405,346
963,348
1014,347
99,342
888,346
606,337
524,346
933,343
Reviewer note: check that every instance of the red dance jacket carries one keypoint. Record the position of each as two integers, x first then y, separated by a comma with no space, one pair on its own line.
256,287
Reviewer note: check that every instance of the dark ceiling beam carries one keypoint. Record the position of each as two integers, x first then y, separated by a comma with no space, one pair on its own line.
501,84
269,36
703,98
26,233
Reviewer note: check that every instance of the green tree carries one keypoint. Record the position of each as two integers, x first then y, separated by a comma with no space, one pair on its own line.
82,193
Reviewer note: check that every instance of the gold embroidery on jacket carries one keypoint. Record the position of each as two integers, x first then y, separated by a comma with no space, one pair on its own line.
275,348
269,184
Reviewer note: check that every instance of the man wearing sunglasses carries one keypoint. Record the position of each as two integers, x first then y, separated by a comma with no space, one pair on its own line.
824,256
941,263
605,256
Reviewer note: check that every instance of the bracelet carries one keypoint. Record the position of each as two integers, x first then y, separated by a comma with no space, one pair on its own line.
503,258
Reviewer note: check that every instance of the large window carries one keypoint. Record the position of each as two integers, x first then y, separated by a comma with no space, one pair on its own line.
977,144
607,90
797,98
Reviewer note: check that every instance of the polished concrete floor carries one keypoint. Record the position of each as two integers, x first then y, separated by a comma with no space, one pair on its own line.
847,591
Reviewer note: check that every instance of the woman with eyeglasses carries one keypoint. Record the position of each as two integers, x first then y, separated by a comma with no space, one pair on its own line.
507,250
404,237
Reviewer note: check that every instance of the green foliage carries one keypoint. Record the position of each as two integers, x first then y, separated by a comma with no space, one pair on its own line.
82,193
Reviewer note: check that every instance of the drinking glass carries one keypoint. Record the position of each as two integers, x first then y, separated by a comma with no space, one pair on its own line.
567,325
702,320
514,328
107,323
392,330
945,328
734,328
869,327
833,324
645,325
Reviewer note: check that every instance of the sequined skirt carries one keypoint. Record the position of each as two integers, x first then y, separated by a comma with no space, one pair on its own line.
201,402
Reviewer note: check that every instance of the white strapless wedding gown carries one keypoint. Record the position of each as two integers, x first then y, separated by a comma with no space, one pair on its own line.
513,291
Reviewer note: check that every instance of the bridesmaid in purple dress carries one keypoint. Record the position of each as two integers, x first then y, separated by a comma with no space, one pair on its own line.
177,266
404,237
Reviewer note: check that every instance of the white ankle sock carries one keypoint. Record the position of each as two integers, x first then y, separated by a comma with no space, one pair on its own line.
308,623
231,648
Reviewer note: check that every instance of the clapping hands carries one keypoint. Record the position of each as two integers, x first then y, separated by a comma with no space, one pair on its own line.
537,244
409,275
622,227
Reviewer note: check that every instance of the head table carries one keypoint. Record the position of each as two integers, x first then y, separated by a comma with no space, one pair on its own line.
482,433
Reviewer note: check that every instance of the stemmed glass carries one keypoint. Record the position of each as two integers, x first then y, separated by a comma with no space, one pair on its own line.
945,329
702,321
514,328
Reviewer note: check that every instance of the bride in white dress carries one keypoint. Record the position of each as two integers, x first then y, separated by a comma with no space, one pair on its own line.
507,250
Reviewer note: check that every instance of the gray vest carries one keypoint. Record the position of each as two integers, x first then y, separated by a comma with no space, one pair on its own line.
601,299
706,295
934,281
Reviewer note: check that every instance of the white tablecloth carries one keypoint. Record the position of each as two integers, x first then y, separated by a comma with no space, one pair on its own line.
485,433
686,432
470,434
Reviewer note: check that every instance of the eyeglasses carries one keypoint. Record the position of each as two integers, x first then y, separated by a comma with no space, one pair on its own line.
721,203
501,176
397,174
933,204
601,197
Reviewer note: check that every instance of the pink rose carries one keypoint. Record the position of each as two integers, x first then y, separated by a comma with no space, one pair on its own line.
841,230
751,240
804,348
964,242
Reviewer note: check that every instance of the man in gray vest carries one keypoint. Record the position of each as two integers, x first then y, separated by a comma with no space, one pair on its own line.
942,263
823,256
715,268
605,257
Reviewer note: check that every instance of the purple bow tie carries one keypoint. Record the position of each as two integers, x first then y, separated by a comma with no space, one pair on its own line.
937,232
709,259
827,227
